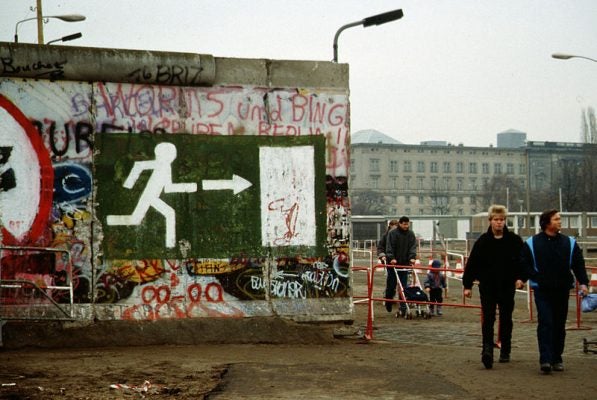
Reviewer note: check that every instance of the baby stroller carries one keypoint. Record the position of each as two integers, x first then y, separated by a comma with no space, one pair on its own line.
412,294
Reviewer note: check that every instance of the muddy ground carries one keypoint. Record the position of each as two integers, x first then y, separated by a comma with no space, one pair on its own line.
437,358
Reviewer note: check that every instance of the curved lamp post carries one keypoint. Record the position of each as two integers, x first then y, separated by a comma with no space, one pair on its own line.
67,38
563,56
66,18
374,20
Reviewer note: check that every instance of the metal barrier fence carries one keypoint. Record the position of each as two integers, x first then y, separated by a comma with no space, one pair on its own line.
369,298
26,293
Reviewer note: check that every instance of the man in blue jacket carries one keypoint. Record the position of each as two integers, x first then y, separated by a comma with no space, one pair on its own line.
549,259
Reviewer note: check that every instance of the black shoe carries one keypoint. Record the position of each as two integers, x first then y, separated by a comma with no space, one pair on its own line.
389,306
559,367
487,358
546,368
504,358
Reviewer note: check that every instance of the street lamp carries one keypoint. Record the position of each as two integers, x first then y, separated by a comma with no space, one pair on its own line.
374,20
67,38
66,18
563,56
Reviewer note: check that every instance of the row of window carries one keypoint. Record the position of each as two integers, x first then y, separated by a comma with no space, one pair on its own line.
435,183
374,166
436,201
423,211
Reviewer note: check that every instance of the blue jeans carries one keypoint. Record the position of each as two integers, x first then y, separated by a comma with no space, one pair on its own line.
552,312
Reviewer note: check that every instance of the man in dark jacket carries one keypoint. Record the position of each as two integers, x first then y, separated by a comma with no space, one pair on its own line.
401,249
495,263
381,245
549,259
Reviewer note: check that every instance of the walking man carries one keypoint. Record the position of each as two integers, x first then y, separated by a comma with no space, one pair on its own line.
549,259
159,182
401,249
495,263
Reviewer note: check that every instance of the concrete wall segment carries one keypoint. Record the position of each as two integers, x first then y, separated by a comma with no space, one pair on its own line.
95,127
89,64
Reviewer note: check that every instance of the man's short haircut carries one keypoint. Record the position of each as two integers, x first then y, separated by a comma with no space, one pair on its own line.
403,219
545,218
495,210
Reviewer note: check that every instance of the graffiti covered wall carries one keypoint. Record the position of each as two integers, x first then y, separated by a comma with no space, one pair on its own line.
228,200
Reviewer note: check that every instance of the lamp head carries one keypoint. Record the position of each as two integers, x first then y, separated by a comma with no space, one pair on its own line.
71,17
383,18
562,56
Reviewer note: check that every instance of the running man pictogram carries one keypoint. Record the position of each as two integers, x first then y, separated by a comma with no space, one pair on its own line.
160,180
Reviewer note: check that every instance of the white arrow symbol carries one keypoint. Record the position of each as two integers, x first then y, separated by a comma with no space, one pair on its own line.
237,184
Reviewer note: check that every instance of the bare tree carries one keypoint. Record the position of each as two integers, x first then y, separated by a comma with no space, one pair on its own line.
368,202
588,125
501,189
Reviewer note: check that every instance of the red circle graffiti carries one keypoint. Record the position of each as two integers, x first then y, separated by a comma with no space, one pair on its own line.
148,290
41,219
194,292
218,289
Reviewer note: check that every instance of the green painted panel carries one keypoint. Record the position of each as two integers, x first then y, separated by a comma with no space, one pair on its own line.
207,221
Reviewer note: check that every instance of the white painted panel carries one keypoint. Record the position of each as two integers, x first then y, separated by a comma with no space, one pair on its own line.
287,178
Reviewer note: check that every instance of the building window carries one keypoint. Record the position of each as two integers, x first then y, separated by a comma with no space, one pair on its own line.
433,167
374,165
421,166
421,211
459,167
419,182
459,184
522,169
374,182
472,168
434,182
394,182
407,183
447,167
407,166
393,166
473,183
407,210
460,200
446,183
510,169
485,167
497,168
407,199
421,200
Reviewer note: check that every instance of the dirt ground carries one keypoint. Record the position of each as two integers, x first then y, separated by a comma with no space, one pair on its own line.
437,358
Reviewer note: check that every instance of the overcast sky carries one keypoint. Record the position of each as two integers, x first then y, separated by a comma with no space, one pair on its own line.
453,70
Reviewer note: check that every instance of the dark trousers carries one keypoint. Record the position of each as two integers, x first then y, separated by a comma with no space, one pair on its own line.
391,283
504,301
552,312
435,295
